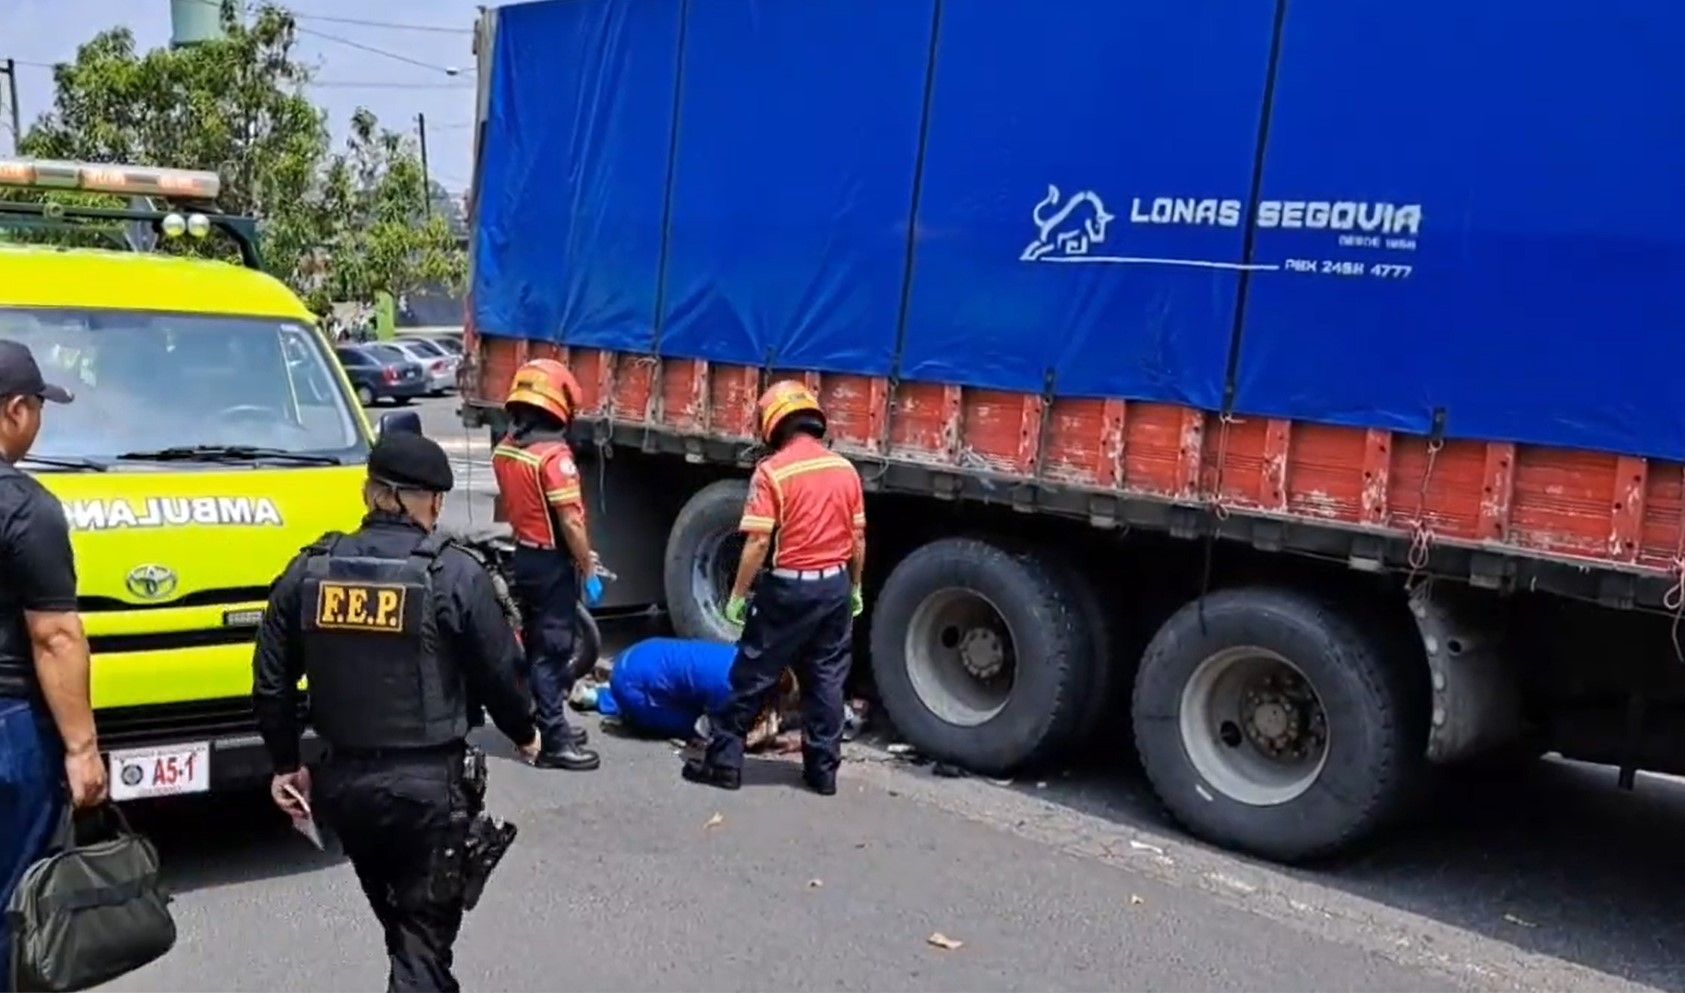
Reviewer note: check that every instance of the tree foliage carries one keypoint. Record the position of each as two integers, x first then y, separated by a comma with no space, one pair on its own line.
335,225
384,237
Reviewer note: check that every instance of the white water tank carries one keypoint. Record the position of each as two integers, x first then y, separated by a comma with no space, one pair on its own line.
194,21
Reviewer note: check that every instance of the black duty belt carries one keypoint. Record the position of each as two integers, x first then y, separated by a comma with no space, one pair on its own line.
400,754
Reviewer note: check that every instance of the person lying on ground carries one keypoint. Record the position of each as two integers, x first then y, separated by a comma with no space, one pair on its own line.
663,687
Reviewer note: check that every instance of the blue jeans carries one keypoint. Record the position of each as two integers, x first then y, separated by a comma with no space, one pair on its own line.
32,797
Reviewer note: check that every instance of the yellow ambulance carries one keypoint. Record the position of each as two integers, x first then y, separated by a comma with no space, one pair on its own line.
213,434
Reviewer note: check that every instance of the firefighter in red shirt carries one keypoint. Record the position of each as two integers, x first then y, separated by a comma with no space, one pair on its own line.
806,521
539,483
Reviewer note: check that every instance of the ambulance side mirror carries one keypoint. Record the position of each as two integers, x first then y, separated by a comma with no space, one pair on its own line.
393,423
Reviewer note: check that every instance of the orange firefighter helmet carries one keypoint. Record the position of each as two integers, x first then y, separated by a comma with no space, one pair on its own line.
546,384
782,399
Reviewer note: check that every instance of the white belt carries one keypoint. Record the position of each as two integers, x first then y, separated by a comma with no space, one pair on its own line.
808,575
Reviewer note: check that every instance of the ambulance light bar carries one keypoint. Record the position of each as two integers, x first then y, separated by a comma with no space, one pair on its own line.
130,180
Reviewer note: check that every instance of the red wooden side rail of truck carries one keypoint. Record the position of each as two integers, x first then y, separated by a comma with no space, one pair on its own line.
1130,511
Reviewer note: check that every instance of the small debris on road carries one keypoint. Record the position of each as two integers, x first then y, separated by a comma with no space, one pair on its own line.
855,714
1042,785
1519,922
715,821
907,753
814,884
944,942
1135,899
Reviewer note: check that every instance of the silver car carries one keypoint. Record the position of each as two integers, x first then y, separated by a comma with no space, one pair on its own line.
441,364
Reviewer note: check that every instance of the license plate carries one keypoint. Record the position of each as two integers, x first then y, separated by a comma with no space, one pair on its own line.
166,770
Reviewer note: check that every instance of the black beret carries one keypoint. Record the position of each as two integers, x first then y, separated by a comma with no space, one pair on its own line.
410,461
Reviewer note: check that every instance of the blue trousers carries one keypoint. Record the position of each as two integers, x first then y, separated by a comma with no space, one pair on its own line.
32,797
546,588
804,625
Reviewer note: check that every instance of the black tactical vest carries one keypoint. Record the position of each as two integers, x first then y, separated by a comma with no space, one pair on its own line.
379,673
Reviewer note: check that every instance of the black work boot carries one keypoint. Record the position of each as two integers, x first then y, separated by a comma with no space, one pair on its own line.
821,783
697,771
570,757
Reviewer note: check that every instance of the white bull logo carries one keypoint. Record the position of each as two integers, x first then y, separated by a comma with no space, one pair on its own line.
1071,229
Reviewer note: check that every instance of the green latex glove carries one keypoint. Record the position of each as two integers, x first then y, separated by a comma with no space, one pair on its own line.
737,610
857,602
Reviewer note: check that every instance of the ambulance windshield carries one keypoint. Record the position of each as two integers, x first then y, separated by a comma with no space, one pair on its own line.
153,381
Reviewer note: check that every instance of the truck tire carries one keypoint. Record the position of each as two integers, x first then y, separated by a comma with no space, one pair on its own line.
1082,586
1104,639
980,655
1270,722
702,553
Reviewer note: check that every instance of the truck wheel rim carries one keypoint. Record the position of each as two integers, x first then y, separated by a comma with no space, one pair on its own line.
715,570
1253,726
961,657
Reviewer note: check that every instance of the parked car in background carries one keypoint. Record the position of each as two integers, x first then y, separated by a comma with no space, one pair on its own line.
439,362
381,371
450,341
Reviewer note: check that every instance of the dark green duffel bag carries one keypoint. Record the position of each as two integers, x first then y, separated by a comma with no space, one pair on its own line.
92,910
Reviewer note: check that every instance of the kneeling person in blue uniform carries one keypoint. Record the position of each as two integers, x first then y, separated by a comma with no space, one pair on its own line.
665,686
397,630
802,613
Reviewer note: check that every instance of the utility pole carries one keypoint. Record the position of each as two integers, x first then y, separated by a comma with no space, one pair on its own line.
426,180
11,71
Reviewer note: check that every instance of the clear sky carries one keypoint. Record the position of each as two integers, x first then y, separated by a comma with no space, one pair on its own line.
38,33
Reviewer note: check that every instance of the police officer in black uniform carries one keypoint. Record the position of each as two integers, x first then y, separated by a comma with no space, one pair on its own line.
399,633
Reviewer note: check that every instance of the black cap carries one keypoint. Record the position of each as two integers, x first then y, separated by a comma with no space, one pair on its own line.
409,461
21,377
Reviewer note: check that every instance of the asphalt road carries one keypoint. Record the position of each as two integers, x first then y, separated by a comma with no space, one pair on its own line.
1554,881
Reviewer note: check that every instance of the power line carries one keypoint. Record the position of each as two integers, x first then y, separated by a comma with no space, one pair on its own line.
437,28
371,84
447,70
347,41
391,25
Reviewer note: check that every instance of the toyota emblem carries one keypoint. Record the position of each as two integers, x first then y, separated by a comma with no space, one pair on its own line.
151,582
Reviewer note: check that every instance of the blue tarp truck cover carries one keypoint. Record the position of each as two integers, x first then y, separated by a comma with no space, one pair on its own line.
1438,215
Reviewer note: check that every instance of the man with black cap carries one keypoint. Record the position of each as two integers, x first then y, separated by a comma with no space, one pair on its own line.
46,723
397,630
